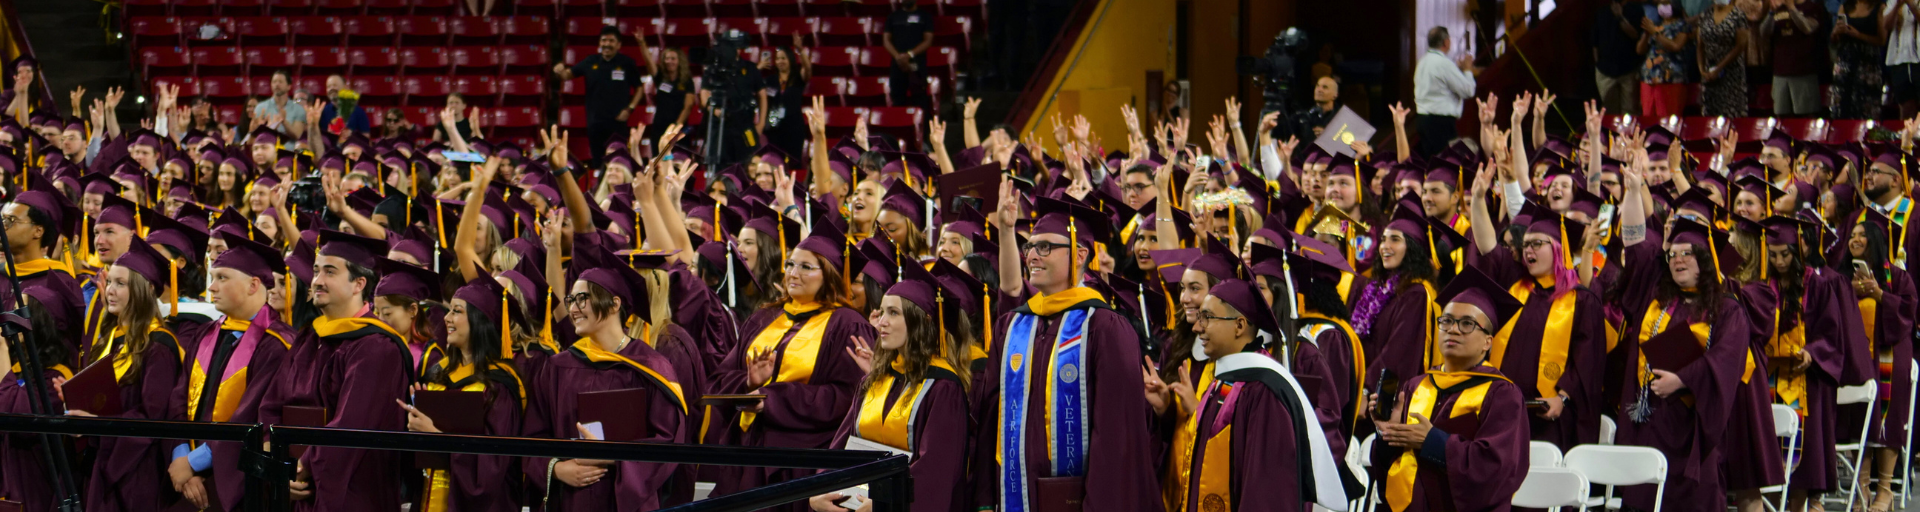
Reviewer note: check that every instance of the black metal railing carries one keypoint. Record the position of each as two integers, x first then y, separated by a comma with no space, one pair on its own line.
890,486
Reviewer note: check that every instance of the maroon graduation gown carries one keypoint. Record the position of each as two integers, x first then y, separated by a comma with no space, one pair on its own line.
704,315
1832,327
1750,456
1324,369
68,312
1121,474
1894,321
1688,434
268,359
1473,462
1264,467
488,482
690,367
552,412
24,476
130,473
1401,332
795,414
1583,371
359,376
939,461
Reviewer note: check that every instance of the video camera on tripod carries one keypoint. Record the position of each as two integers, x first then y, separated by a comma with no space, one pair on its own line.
732,82
1275,70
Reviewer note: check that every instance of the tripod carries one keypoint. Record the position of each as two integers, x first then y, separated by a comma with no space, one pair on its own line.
14,325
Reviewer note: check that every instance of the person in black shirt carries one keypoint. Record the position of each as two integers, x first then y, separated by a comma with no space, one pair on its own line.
786,75
673,89
909,28
611,82
1616,31
1309,122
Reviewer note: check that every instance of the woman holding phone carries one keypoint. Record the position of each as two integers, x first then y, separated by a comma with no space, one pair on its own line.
1886,295
479,359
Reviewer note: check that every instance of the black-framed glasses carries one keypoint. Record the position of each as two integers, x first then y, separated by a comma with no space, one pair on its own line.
1042,249
579,299
1455,325
1674,255
1136,187
1207,316
1535,244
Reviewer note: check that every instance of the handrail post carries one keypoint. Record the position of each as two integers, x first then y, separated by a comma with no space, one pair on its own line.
892,494
280,498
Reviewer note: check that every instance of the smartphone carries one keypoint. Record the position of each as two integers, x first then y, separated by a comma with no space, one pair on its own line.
462,156
1860,266
1606,217
1537,405
1389,391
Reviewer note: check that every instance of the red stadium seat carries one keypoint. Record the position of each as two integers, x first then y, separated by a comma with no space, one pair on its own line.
823,8
1806,128
260,85
541,8
160,61
312,84
224,89
868,8
378,90
474,60
900,122
426,90
841,120
570,8
779,31
425,61
650,26
422,115
523,90
339,7
321,61
942,60
373,61
833,60
752,27
389,8
145,8
189,86
636,9
730,8
473,30
865,91
206,30
684,8
196,8
434,7
523,30
874,61
950,31
420,30
832,87
242,8
576,117
314,30
1701,129
573,92
525,59
478,91
515,122
261,61
289,7
260,31
642,116
772,8
976,9
1849,130
583,31
368,30
843,32
229,114
220,60
162,31
684,33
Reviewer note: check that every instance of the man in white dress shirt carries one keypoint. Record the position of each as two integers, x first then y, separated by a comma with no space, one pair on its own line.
1440,86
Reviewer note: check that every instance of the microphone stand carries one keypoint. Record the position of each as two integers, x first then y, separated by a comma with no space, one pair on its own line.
14,326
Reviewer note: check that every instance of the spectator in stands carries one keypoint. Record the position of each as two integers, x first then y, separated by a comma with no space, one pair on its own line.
1795,47
282,111
1898,19
1723,37
787,72
1663,75
612,81
672,90
203,119
1858,38
468,125
479,7
1616,62
908,35
358,122
1308,123
1440,85
398,127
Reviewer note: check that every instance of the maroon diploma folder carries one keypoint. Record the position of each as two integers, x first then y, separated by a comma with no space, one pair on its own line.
94,390
453,412
1673,349
1059,494
621,413
302,416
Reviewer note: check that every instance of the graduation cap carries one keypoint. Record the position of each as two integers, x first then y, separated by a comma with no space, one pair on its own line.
979,182
1697,200
1472,287
188,242
942,300
607,270
406,280
250,257
45,199
231,221
1567,232
157,268
354,248
784,230
1080,224
1412,222
1587,203
1745,167
488,300
1780,139
1782,230
965,221
1759,187
1245,298
1711,247
882,260
830,244
118,210
903,200
1342,130
733,270
774,156
1219,261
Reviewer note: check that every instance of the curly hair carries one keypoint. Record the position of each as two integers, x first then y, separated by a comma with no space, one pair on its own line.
924,343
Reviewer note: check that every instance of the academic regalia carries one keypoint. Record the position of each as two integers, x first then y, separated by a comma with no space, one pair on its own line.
1251,444
811,391
1551,322
926,419
476,482
1828,322
363,360
1476,455
1890,326
705,316
1402,335
1750,456
1687,427
67,310
233,363
552,413
24,475
1324,369
130,473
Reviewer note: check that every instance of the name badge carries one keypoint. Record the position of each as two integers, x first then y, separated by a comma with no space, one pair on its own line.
619,75
913,18
666,87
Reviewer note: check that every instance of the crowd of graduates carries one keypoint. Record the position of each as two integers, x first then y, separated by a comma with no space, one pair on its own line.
1157,325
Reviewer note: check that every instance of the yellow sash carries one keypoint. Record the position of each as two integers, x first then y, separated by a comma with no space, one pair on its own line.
1215,480
890,425
1176,481
1048,305
122,359
1401,476
31,268
1869,311
1655,320
1359,356
1432,357
1553,341
594,353
230,389
797,359
439,485
328,327
1790,384
65,373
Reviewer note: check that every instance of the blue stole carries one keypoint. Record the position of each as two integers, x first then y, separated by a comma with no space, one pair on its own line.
1067,415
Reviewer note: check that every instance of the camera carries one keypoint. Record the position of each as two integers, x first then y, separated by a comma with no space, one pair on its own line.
732,82
1275,69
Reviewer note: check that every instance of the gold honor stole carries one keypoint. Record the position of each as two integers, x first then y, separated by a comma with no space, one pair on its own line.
439,486
1175,484
26,269
1216,487
1401,476
1790,384
1353,344
798,346
233,377
1553,342
592,352
122,360
1430,357
893,425
1655,319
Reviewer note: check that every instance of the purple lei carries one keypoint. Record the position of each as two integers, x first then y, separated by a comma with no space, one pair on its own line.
1371,298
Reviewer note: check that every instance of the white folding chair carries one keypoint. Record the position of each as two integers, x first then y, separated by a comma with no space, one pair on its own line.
1905,478
1552,488
1607,428
1786,424
1542,454
1366,461
1620,465
1861,394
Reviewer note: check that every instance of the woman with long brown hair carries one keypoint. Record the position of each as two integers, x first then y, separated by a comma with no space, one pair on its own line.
129,473
479,359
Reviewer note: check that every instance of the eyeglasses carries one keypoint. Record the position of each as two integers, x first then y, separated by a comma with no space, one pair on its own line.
1674,255
7,222
579,299
1454,325
1136,187
1207,316
1536,244
1042,249
793,267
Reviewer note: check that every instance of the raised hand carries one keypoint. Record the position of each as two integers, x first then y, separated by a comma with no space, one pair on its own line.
1520,105
79,92
667,138
114,96
862,354
817,117
474,118
1081,128
860,133
1126,113
1399,111
1233,111
936,131
1009,207
972,106
1268,123
1542,102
